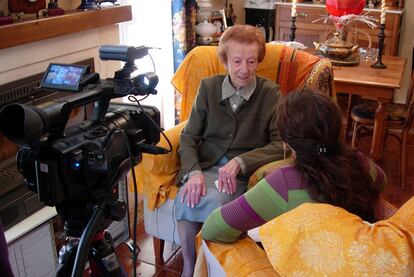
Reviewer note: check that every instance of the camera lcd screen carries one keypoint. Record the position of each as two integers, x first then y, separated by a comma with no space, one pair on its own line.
63,76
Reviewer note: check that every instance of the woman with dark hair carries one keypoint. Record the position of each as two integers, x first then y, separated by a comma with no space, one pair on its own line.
322,170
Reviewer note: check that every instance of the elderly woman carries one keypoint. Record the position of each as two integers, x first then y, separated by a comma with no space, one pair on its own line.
323,170
231,132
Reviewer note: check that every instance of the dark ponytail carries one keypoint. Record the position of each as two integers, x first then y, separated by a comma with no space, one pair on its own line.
311,123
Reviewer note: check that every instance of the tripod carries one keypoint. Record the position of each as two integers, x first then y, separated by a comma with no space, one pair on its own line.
94,245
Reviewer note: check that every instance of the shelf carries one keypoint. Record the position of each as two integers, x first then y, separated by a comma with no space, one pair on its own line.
29,223
71,22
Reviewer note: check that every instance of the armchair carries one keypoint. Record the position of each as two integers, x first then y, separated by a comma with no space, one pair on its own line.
156,175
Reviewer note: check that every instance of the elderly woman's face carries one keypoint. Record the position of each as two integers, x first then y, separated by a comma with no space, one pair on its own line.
242,63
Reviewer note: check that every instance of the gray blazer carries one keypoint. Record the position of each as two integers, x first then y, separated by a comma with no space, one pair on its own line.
214,130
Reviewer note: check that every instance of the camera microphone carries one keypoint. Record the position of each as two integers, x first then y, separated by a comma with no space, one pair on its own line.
122,52
152,149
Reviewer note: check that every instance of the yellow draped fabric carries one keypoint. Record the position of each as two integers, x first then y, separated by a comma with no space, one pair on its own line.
155,174
284,65
241,258
323,240
201,62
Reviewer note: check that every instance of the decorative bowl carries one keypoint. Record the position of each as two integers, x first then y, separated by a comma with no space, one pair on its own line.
205,29
336,47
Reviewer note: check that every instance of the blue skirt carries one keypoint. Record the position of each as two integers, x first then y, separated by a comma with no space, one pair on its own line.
213,199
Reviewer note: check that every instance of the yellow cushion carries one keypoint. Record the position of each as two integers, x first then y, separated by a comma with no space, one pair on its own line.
241,258
266,169
323,240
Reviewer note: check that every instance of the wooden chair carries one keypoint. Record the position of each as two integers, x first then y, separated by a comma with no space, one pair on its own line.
360,37
399,121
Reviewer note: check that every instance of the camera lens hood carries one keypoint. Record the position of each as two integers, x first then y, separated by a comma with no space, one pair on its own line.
21,124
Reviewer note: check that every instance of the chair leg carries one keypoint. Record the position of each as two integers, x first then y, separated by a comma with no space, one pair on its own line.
158,249
354,134
403,162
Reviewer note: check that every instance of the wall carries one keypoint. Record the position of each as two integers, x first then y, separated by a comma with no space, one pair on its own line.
153,29
238,6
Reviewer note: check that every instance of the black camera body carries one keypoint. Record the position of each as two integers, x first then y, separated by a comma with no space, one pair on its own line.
91,157
83,163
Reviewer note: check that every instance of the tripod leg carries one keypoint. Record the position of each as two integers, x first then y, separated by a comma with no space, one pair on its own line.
67,256
103,260
131,246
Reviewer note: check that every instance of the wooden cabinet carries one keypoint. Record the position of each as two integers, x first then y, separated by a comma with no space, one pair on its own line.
306,32
309,31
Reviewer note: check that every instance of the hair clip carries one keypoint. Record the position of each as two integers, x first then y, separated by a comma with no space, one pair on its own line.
321,149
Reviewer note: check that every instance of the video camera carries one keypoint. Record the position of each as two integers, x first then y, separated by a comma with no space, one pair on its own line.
82,164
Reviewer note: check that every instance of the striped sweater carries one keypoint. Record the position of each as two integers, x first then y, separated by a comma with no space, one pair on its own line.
277,193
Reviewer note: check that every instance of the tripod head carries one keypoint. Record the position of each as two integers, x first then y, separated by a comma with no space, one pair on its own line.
76,214
95,244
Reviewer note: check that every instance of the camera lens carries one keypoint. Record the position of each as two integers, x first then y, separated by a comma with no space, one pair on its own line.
146,83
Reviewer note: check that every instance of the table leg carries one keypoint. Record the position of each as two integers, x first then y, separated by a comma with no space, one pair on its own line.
378,135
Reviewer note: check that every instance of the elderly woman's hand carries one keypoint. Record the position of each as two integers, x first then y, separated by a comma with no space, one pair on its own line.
194,189
227,176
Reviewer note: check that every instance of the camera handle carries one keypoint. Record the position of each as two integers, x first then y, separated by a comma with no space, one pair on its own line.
97,247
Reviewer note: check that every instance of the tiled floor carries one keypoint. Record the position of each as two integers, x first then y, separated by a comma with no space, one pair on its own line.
146,263
147,266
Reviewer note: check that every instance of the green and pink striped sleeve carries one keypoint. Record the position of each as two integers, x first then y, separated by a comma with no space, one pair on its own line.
274,195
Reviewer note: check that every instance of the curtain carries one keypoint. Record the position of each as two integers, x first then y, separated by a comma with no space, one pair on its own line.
183,28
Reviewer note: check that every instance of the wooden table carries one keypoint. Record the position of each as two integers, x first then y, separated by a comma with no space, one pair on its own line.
371,83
